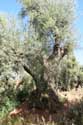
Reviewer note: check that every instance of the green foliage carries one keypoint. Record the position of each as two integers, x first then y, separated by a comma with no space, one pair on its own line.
75,113
69,72
49,18
6,106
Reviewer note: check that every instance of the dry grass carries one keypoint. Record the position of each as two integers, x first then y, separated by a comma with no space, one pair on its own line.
72,95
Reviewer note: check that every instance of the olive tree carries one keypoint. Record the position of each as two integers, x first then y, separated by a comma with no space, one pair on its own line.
50,38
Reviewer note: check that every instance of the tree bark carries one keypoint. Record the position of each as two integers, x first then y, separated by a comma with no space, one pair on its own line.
29,72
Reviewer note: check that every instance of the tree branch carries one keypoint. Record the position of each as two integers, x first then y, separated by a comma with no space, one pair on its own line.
56,48
29,72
